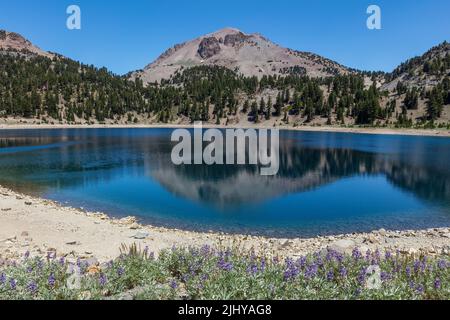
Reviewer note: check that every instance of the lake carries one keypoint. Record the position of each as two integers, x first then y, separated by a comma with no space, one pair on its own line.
328,183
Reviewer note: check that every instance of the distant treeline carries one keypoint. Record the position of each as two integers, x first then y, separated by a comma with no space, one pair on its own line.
65,90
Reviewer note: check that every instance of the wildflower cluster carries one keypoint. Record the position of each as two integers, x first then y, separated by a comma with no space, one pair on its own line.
213,273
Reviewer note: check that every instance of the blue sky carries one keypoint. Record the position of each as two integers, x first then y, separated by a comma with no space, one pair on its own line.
127,35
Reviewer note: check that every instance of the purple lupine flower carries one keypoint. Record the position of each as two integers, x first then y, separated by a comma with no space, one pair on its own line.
356,254
423,265
362,276
29,269
334,255
408,272
301,262
288,274
173,284
51,255
204,277
385,276
420,289
252,269
146,251
227,266
185,278
13,284
200,286
102,280
291,270
51,280
330,276
442,264
343,272
319,259
416,266
311,271
32,287
368,255
377,257
120,271
289,263
263,264
339,257
26,255
388,255
2,279
330,255
62,261
412,284
194,252
437,284
205,250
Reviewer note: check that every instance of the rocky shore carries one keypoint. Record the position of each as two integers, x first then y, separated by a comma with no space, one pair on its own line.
15,124
39,226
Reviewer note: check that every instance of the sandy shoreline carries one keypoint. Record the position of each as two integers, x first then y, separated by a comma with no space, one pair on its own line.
41,226
383,131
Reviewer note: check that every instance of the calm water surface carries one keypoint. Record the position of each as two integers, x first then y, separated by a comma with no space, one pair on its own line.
328,182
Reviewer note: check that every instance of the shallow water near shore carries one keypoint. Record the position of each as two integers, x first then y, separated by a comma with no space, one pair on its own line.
328,183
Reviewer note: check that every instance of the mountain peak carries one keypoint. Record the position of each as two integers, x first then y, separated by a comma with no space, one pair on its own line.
225,31
247,54
11,41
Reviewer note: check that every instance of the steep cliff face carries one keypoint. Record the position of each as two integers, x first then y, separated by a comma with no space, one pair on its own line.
208,48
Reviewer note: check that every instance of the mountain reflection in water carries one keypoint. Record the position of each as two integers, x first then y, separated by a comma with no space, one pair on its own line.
66,164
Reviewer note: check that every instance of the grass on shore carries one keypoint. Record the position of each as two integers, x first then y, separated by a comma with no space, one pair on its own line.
211,273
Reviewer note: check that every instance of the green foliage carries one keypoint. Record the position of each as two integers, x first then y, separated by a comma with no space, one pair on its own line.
64,90
428,63
411,99
215,273
437,97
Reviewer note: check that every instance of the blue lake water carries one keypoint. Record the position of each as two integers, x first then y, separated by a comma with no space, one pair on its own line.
327,183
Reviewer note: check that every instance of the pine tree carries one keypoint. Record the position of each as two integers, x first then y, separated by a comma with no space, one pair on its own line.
246,106
435,104
262,106
269,109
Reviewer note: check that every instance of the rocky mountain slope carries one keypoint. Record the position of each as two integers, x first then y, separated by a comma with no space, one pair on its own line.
14,42
424,71
420,86
247,54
